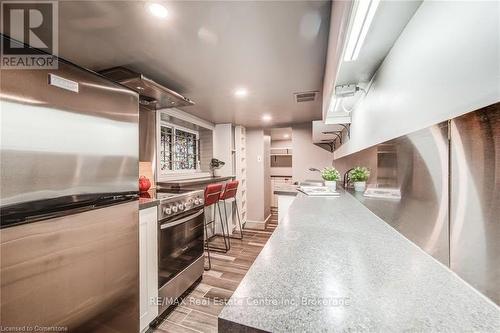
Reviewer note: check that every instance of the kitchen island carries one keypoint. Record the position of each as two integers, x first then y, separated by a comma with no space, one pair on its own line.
332,265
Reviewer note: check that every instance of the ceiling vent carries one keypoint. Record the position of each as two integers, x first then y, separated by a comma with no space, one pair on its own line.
307,96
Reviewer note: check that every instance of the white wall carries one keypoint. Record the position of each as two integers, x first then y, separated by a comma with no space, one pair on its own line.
281,171
444,64
267,176
255,158
223,144
281,143
305,154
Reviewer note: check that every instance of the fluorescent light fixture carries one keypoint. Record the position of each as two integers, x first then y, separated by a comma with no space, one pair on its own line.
286,136
158,10
241,92
334,103
267,117
363,17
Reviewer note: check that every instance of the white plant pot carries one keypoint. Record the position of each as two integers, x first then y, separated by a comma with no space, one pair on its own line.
217,172
359,186
331,184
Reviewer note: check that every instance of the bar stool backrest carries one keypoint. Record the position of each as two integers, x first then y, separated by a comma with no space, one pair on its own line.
230,190
212,194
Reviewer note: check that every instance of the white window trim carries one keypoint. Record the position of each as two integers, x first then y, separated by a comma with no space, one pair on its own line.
174,127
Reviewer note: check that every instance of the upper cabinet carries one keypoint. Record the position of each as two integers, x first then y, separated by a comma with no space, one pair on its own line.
361,35
281,151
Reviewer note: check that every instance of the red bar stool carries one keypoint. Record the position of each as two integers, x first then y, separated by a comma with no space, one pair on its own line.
230,194
212,197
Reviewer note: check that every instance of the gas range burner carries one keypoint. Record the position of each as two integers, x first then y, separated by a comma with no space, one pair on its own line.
175,201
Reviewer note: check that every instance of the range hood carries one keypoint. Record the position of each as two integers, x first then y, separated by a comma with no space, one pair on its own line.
153,96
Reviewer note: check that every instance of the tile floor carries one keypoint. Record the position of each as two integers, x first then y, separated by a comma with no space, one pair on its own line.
199,310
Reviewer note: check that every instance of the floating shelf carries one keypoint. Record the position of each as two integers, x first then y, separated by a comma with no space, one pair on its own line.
240,169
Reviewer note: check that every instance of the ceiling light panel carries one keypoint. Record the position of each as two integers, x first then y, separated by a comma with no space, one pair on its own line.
157,10
266,117
241,92
363,16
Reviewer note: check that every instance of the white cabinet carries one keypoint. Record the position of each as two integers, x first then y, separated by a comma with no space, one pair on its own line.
276,182
148,266
230,147
284,203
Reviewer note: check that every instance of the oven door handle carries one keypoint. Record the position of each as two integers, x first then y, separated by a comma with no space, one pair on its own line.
184,219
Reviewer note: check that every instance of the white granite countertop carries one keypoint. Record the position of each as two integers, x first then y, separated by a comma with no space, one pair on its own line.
333,266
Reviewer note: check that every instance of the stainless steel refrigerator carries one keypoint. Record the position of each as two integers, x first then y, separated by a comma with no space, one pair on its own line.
69,208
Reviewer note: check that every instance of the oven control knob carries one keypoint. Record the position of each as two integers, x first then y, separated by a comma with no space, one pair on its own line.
167,210
197,201
180,206
174,208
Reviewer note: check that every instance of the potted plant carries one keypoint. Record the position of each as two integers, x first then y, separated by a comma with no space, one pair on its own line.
359,176
215,165
330,175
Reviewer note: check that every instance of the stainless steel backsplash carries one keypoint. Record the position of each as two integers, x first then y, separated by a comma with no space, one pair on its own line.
417,164
55,142
449,177
475,199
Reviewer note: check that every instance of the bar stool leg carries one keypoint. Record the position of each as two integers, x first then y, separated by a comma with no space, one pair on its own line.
227,247
239,220
227,225
206,246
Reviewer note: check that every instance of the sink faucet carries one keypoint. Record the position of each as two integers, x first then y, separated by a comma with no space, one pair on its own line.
346,178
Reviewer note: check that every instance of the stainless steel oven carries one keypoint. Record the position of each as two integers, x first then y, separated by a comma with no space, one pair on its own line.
180,243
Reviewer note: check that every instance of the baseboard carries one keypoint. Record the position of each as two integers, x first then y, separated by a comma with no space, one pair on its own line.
267,220
260,225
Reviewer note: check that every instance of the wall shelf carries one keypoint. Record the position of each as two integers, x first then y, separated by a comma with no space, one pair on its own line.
241,173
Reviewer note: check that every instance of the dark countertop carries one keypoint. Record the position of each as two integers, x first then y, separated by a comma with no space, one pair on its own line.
331,265
148,199
194,181
289,193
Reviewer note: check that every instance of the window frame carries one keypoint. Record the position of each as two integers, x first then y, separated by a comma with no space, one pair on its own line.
174,128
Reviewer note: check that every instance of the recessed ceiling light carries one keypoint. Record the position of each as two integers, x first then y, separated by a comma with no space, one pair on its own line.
157,10
266,117
241,92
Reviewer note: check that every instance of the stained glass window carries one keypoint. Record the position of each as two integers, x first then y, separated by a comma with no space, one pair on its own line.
179,149
166,148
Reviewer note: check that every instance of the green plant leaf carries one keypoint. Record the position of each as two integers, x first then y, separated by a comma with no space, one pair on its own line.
359,174
330,174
